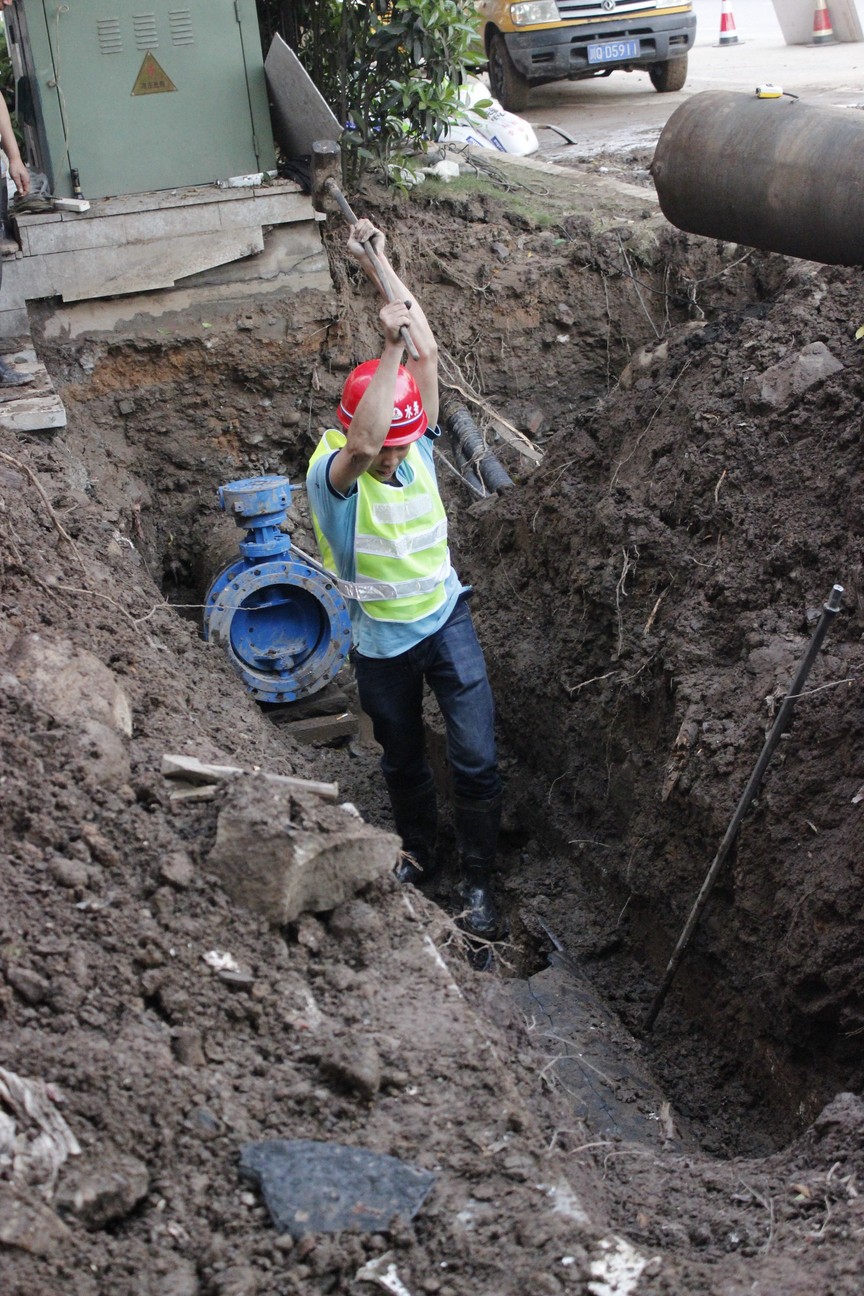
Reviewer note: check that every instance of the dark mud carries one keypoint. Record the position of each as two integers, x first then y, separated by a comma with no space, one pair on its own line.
644,593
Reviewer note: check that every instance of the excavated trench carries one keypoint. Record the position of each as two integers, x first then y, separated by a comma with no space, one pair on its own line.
643,596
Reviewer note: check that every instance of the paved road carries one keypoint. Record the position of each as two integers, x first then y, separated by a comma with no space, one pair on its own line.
624,111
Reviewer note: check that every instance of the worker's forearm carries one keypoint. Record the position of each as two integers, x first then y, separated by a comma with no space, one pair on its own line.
374,413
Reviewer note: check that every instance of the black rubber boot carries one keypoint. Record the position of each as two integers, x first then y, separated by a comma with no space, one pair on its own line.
477,824
415,814
10,377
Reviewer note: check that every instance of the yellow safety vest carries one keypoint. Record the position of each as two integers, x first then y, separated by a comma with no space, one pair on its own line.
400,542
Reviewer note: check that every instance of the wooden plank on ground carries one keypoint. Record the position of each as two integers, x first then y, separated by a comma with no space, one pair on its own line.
321,728
192,770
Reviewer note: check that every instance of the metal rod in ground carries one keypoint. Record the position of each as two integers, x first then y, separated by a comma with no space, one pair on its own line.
829,611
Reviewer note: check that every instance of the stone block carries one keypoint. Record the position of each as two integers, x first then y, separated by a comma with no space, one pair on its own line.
283,854
139,267
272,209
292,250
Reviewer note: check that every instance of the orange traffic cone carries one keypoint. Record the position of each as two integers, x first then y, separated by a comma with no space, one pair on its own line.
823,32
728,34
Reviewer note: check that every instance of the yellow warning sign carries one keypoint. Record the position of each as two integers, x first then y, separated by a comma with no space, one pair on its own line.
152,79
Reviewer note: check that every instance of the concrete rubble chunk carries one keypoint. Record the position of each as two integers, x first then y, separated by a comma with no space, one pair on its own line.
28,1224
355,1066
781,385
178,870
283,854
104,1190
104,749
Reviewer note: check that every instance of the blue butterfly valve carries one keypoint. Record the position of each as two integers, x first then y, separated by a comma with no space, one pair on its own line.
283,623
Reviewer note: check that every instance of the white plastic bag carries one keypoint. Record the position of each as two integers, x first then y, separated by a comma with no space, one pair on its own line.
495,128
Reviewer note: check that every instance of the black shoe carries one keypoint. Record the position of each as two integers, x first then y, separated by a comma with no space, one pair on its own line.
407,870
10,377
481,955
480,917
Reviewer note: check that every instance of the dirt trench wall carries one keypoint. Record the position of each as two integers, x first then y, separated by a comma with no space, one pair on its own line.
668,562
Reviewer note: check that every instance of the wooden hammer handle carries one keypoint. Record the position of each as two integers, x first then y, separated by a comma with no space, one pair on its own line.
383,278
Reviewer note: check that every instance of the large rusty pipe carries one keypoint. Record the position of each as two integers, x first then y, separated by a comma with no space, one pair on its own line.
774,174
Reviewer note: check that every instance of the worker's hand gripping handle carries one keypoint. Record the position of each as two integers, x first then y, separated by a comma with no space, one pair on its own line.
386,286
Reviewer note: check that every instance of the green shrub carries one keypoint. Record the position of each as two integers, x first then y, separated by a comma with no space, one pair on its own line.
389,69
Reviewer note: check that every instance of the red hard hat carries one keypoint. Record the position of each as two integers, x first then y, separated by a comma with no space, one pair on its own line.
409,420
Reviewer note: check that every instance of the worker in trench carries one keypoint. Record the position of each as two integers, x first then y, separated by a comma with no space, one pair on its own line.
381,524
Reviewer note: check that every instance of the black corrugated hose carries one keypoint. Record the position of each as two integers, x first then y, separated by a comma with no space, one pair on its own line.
469,438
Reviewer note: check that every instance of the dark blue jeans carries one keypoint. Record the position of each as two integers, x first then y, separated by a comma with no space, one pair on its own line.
391,693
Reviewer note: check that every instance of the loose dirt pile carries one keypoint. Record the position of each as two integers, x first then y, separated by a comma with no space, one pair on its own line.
644,595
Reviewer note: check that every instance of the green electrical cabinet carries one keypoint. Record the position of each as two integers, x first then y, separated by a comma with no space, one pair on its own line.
140,95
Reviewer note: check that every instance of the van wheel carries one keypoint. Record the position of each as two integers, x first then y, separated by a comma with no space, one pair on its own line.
509,86
666,77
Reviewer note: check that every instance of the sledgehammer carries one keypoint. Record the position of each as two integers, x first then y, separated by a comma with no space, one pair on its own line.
326,156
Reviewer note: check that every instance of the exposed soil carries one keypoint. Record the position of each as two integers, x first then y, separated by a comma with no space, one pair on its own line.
645,595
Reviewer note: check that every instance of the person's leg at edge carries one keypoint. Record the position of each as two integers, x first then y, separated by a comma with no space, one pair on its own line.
391,694
456,670
9,375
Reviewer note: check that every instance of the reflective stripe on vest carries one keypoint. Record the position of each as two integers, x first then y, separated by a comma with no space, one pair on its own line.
400,542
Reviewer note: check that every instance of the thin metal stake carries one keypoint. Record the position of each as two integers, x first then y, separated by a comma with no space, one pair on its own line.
829,611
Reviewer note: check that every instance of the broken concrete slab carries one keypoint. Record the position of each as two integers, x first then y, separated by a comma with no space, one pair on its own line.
36,407
135,267
33,413
323,728
293,260
283,854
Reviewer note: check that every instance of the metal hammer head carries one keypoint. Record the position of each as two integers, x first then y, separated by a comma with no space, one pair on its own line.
326,165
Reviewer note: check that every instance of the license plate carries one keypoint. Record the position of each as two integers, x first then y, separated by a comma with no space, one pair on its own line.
613,51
